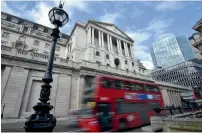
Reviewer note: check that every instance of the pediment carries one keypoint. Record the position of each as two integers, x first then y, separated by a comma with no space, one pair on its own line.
112,28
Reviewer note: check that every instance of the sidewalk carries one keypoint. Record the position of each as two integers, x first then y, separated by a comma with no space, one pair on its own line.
17,125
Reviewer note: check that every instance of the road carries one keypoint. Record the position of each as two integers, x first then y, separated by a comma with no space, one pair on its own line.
133,130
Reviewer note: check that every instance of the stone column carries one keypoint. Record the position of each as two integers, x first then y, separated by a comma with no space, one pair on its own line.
119,44
81,88
89,35
174,100
93,36
131,49
99,37
177,99
170,97
125,48
14,91
108,42
102,41
117,41
4,80
110,38
180,102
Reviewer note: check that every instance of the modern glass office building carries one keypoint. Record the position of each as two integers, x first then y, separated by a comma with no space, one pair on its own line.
171,51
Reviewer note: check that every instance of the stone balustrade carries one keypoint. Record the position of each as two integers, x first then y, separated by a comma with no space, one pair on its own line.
10,51
10,25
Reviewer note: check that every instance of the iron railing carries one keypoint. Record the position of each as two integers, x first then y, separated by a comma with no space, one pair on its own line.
172,110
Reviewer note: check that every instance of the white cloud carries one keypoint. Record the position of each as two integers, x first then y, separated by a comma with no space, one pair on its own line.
39,13
7,9
110,17
148,64
135,13
169,5
140,50
139,36
157,29
157,25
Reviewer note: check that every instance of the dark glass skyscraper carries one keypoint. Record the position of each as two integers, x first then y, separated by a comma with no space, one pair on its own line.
171,51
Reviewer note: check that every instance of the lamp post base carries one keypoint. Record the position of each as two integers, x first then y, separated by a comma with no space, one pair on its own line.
40,121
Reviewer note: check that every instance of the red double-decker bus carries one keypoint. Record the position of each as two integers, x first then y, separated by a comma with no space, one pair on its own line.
118,104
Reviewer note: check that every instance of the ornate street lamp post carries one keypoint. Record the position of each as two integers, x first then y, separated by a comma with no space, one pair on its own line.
42,120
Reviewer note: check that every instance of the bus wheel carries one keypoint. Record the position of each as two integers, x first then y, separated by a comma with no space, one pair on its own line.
122,125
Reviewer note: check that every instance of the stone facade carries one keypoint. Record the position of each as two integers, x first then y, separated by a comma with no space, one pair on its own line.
27,35
101,43
196,38
196,42
22,72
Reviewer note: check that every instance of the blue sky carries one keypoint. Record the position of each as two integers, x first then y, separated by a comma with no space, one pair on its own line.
144,21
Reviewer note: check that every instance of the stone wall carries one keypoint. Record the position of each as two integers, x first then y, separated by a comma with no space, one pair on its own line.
186,122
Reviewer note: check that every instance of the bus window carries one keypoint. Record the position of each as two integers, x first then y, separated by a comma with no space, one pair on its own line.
108,83
123,107
127,85
149,88
139,87
117,84
155,89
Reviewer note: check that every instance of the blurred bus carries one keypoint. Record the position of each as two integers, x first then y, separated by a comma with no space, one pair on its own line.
114,103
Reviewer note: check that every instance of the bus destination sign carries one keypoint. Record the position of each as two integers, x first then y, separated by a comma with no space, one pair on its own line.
137,96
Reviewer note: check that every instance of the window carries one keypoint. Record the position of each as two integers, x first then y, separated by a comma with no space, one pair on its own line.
138,87
14,20
107,56
123,107
49,31
46,52
57,48
36,43
3,16
40,28
126,62
149,88
98,63
25,29
117,84
22,38
3,43
127,86
97,53
6,35
47,45
133,64
107,83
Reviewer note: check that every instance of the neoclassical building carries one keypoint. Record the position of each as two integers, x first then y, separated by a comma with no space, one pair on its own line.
88,51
